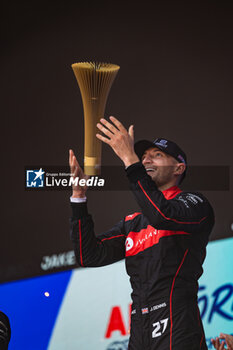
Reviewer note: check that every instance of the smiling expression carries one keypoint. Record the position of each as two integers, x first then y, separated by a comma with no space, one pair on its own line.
159,166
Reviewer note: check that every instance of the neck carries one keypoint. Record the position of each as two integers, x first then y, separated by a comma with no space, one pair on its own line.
167,185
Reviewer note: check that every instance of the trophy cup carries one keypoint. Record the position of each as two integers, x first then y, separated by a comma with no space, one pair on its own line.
95,81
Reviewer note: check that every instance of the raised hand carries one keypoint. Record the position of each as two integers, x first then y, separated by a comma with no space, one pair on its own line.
228,340
216,343
77,172
119,139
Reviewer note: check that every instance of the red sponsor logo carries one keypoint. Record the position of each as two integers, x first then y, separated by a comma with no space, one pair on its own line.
129,244
136,242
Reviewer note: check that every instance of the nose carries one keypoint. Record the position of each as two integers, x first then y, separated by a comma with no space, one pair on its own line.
146,159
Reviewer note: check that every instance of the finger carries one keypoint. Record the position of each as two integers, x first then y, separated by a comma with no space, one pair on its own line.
131,132
75,168
118,124
73,159
222,335
70,156
229,341
102,138
76,163
104,130
110,126
72,166
222,345
213,342
75,172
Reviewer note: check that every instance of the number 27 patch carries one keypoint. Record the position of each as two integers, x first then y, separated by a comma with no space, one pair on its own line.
160,327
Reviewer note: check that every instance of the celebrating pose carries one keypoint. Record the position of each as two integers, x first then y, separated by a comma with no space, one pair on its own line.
164,245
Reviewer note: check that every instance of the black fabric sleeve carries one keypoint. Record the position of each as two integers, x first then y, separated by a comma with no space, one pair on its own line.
186,212
92,251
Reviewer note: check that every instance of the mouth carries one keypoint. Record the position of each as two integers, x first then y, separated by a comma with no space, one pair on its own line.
149,169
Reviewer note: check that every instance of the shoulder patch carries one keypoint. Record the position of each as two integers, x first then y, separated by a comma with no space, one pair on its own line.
180,198
188,198
131,217
194,198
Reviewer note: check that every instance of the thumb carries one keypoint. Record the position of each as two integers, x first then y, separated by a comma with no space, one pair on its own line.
131,132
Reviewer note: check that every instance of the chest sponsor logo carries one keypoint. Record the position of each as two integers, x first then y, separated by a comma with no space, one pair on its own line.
136,242
128,244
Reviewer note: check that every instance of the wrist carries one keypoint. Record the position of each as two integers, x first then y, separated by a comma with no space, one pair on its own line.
131,160
77,194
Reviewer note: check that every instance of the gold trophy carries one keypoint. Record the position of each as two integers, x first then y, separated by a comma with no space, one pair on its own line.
95,81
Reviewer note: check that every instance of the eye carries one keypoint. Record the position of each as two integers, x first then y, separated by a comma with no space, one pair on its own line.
157,154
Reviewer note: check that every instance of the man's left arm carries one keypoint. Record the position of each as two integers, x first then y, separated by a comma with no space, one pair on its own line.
179,214
187,211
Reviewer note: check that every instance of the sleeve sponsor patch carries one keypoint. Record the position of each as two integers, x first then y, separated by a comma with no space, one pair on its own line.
132,216
190,198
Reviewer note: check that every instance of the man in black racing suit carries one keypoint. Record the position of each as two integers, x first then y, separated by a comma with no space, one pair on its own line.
164,245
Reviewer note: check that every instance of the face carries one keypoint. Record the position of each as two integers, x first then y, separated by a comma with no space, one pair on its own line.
159,166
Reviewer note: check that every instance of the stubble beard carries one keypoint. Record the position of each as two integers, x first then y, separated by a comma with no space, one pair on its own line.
160,178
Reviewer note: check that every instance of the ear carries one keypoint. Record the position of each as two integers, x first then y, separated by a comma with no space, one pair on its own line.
179,169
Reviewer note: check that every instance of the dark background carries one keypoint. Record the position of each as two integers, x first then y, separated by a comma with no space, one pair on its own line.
175,82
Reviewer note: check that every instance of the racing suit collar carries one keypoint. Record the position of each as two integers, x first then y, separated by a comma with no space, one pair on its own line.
171,192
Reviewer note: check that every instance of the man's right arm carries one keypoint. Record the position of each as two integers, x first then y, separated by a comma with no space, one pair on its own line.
92,251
